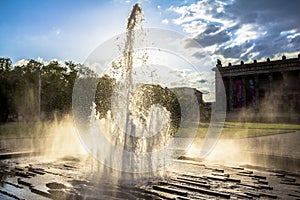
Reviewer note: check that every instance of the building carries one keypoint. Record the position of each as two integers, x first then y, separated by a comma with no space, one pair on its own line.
188,90
261,91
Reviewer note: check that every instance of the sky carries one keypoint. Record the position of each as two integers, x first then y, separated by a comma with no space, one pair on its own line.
226,29
229,30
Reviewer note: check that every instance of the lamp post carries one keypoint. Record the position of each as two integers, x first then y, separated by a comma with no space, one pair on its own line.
39,95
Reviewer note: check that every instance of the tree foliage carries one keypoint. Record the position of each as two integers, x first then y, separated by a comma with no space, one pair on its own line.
103,95
20,86
150,94
5,88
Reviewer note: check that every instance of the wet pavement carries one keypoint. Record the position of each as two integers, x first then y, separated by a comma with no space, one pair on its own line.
279,151
276,175
72,178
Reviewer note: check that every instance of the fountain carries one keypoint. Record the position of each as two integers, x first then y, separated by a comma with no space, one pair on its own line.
145,128
129,139
148,122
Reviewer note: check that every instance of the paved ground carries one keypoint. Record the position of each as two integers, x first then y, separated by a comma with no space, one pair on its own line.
72,178
254,168
274,151
285,145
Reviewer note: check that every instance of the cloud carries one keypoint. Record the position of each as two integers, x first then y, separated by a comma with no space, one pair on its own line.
22,62
242,29
296,41
57,31
165,21
234,51
211,28
202,81
211,39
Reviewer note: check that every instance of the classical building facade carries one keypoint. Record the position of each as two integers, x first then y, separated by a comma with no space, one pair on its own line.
261,91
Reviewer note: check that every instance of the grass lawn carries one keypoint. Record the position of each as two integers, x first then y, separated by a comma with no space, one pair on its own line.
240,130
229,130
21,129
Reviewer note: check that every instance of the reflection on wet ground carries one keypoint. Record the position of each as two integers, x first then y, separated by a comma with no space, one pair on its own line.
73,178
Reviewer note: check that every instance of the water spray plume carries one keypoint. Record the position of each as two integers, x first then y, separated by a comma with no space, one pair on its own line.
148,123
135,17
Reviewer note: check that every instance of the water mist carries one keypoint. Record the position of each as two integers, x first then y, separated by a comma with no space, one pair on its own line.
139,133
127,141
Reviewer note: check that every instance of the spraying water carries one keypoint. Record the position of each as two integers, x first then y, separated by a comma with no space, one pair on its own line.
145,126
130,136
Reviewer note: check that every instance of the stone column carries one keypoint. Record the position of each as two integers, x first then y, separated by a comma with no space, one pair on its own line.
284,91
244,91
218,85
256,85
230,93
270,77
270,96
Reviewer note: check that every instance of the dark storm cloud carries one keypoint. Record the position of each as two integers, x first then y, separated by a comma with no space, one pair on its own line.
273,43
211,39
274,25
272,16
199,55
191,43
296,41
202,81
208,37
270,45
211,29
266,12
235,51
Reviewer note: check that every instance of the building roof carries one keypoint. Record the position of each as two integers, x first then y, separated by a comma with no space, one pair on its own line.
259,67
188,88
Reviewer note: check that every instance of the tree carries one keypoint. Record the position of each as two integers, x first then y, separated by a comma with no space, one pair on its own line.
149,95
5,89
103,95
55,89
19,87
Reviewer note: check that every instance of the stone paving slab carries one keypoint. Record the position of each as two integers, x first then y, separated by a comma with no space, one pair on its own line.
283,145
37,178
25,177
272,151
